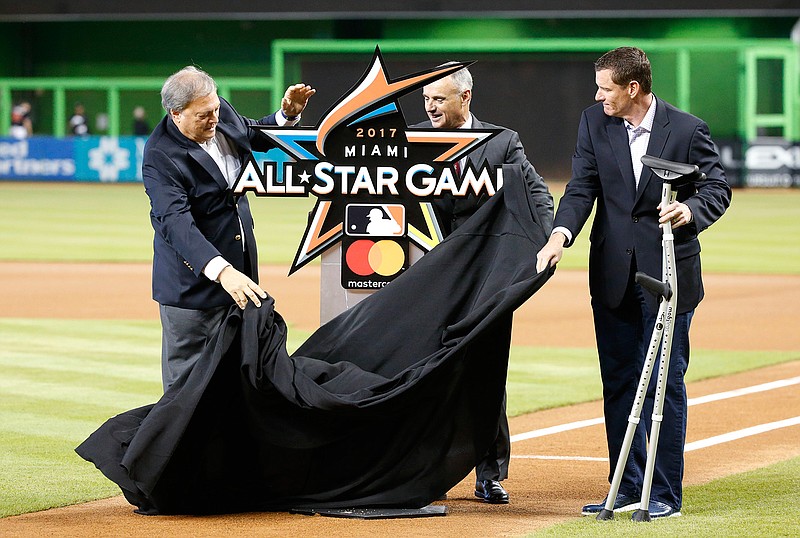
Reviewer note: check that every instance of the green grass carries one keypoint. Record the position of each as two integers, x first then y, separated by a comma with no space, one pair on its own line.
765,502
109,222
61,380
537,377
758,234
74,222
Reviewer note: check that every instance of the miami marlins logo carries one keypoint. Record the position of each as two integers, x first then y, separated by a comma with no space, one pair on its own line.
362,153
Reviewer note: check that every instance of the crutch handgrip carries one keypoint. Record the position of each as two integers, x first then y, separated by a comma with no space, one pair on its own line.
653,285
677,174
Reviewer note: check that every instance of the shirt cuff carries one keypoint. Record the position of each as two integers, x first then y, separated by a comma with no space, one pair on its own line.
281,119
215,267
564,231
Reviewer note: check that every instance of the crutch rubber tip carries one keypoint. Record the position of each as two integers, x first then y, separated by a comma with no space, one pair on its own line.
641,515
605,515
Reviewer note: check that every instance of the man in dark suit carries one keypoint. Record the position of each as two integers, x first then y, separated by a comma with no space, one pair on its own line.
627,122
204,248
447,103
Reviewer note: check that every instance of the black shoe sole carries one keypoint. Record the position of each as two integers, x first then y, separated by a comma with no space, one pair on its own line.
490,500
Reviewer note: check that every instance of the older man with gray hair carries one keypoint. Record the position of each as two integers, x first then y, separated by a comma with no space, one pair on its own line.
447,103
204,247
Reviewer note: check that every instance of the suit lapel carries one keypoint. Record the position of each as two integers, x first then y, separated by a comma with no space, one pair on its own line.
618,137
201,156
477,156
198,154
655,147
237,140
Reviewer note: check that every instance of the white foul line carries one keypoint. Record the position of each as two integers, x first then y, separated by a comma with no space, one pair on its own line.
746,390
564,458
747,432
703,443
556,429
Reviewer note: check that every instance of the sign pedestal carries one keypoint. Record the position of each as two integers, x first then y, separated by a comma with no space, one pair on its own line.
333,298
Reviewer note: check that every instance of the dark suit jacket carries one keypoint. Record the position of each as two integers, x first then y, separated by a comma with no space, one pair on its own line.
194,214
626,223
505,148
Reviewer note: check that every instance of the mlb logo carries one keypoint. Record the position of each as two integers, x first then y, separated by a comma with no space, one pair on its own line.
375,220
374,247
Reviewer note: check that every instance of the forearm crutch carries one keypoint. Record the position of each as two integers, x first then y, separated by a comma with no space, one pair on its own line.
671,173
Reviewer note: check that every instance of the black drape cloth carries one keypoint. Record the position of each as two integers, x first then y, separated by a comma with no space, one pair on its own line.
390,404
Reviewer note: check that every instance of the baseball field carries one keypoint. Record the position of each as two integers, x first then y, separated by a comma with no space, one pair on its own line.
80,342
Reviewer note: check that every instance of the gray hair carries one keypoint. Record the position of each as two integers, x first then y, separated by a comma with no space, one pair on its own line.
184,86
461,78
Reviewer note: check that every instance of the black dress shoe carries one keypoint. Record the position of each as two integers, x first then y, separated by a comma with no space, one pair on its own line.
491,491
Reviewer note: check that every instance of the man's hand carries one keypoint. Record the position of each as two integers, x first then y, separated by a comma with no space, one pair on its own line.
295,99
676,213
240,287
551,253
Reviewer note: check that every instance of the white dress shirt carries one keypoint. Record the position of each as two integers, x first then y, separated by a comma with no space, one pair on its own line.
638,139
220,149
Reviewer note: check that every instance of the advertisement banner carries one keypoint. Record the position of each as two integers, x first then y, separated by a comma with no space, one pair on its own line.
37,158
765,162
108,158
92,158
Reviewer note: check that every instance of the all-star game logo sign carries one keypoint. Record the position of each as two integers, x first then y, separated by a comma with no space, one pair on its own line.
374,177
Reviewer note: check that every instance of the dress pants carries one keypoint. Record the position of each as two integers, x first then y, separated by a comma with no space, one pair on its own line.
184,335
494,465
623,336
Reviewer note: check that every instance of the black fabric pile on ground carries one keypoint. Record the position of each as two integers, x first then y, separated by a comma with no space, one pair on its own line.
388,405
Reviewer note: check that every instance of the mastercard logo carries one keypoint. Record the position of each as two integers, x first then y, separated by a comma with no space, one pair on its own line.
365,257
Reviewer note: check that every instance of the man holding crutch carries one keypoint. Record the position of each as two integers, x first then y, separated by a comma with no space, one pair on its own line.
629,121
